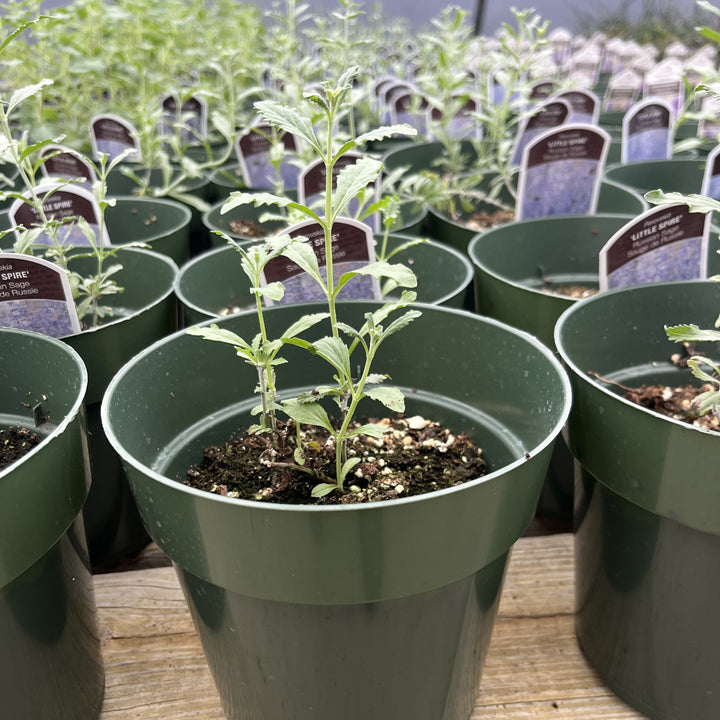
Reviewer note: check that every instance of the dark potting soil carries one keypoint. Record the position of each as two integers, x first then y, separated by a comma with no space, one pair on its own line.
675,402
15,442
413,457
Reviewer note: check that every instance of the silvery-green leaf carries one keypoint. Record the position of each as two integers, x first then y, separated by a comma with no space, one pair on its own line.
401,322
192,200
323,489
695,203
401,274
390,396
386,131
307,414
691,333
288,119
334,350
372,430
218,334
273,291
304,256
376,378
262,198
26,92
304,323
352,179
347,466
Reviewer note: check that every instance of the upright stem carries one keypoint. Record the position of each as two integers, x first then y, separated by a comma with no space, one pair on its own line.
328,224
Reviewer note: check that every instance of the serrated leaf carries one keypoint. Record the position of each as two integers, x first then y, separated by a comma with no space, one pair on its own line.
304,323
401,322
334,351
305,413
288,119
351,180
218,335
323,489
372,430
691,333
304,256
391,397
401,274
696,203
386,131
238,198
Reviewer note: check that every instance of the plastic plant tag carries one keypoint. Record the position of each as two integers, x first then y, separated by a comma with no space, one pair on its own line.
409,106
663,244
709,123
584,106
711,178
585,65
112,135
256,151
647,132
549,115
352,248
560,40
541,90
385,98
311,188
64,204
561,172
35,295
189,119
61,163
622,91
665,82
463,125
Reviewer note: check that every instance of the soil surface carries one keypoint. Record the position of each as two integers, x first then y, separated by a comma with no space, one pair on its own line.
15,442
413,457
675,402
484,221
568,289
247,228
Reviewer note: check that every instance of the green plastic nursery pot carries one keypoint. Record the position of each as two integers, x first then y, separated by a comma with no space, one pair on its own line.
50,656
120,184
378,611
684,175
647,526
612,199
215,282
514,264
163,225
146,312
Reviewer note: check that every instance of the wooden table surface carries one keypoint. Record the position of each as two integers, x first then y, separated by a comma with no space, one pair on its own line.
155,668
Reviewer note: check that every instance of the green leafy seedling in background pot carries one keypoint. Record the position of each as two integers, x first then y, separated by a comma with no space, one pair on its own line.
338,348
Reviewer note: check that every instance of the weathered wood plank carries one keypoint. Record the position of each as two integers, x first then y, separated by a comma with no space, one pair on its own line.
156,669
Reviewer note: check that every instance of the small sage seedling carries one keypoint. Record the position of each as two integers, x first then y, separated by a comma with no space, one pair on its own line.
88,291
703,368
338,348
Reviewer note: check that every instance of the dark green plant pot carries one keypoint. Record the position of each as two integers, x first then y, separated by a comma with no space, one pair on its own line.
215,281
164,225
512,263
612,199
647,526
112,524
419,156
119,184
270,588
52,667
683,175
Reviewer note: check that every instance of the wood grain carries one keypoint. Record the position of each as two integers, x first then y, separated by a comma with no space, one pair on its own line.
534,670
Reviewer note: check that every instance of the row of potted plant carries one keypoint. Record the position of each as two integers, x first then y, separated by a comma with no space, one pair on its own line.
408,559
